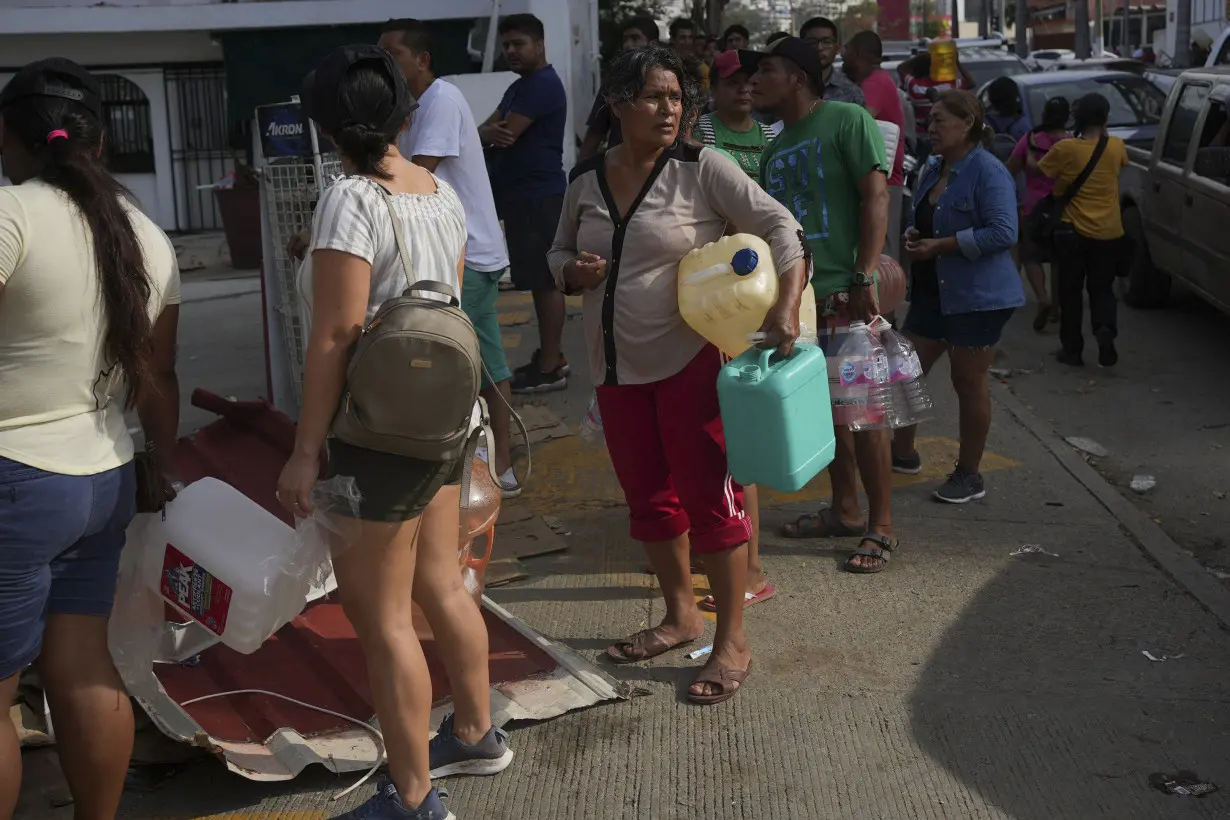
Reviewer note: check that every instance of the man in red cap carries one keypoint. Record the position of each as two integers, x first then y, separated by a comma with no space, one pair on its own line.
730,126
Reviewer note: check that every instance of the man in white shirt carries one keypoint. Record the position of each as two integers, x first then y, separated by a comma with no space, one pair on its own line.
443,138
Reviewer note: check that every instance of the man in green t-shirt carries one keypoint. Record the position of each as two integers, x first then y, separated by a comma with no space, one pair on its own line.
730,127
828,166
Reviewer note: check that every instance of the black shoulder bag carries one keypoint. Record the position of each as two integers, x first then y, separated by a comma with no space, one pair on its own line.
1047,215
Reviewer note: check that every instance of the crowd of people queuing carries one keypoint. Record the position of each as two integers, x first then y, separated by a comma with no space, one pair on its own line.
688,140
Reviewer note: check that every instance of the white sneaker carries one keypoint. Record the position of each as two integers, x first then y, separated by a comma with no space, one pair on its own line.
509,488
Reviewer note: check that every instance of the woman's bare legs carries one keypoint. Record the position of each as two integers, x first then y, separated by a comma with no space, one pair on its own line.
455,619
929,352
970,367
727,573
10,753
91,711
671,563
374,576
756,582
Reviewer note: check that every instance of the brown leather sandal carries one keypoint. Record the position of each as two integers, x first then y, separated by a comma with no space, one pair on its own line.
824,524
646,644
728,681
884,552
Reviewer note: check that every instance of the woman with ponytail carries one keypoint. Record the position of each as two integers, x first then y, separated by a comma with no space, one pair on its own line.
89,305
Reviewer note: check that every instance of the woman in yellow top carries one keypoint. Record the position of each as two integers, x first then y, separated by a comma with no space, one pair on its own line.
89,305
1088,244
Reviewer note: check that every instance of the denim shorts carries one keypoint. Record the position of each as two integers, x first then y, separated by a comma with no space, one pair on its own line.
60,543
977,329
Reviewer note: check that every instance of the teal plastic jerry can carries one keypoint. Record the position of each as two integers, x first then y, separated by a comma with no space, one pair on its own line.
777,418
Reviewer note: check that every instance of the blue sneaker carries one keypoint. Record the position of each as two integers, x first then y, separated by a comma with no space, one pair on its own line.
449,756
387,805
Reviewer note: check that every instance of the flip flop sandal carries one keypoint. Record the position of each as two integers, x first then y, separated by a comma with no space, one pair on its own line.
884,552
709,604
646,644
728,681
824,524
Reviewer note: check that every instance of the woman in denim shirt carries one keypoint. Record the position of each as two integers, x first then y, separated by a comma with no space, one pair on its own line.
964,285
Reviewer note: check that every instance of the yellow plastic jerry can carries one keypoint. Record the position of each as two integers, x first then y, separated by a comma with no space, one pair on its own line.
727,287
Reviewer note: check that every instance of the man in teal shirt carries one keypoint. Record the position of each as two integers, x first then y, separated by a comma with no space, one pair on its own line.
828,166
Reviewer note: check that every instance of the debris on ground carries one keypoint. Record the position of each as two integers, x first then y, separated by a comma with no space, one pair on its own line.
542,424
1157,659
1182,784
1219,494
1031,549
1008,372
700,653
1088,445
1143,483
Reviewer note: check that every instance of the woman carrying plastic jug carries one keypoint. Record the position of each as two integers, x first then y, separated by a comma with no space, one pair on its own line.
629,217
408,527
964,284
89,308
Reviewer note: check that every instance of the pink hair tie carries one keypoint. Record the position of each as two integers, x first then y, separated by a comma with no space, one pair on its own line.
58,134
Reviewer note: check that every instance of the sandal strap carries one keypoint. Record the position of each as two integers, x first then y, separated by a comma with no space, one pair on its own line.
885,543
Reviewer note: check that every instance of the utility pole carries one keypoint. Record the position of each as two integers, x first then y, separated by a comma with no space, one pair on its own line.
1081,47
1183,34
1125,36
984,18
956,20
1099,31
1022,28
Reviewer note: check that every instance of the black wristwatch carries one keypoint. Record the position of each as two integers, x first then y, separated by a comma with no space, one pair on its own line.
862,280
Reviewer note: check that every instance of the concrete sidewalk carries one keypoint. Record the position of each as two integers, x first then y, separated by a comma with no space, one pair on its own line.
963,682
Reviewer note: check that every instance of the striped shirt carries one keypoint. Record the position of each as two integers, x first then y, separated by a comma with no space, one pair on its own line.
351,217
745,147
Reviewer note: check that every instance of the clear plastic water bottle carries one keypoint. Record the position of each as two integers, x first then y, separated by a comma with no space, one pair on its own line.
858,380
591,425
910,401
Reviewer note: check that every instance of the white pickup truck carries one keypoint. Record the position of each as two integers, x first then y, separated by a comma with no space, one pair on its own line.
1176,197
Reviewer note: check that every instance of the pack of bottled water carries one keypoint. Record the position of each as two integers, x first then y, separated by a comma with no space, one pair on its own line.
876,380
909,401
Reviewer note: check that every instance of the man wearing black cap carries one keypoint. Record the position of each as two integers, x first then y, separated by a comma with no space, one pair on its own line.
828,166
821,34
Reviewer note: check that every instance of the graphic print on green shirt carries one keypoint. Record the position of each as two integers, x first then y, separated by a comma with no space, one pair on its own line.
813,168
745,147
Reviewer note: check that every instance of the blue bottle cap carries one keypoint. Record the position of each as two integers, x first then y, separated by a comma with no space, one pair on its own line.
745,261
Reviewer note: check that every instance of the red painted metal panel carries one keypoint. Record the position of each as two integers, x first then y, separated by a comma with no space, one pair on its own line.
316,657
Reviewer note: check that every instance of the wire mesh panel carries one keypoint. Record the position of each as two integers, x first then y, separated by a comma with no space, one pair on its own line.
291,190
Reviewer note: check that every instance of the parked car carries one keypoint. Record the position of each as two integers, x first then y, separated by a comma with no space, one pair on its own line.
1135,103
1040,60
1176,197
1163,78
1111,63
981,64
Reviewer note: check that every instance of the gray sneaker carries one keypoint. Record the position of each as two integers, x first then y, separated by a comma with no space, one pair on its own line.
450,756
961,487
387,805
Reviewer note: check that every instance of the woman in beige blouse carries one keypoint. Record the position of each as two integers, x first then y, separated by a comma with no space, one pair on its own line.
629,217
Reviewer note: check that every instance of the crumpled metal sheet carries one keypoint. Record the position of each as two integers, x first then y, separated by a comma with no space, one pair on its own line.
315,658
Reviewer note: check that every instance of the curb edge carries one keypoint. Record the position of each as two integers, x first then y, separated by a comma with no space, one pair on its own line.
1160,547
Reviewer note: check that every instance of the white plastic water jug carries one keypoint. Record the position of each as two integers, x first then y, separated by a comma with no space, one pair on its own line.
223,561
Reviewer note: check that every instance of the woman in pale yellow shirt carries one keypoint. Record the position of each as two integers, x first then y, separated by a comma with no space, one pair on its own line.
89,296
1088,246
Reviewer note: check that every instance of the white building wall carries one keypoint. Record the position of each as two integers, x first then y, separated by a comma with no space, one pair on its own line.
1207,15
